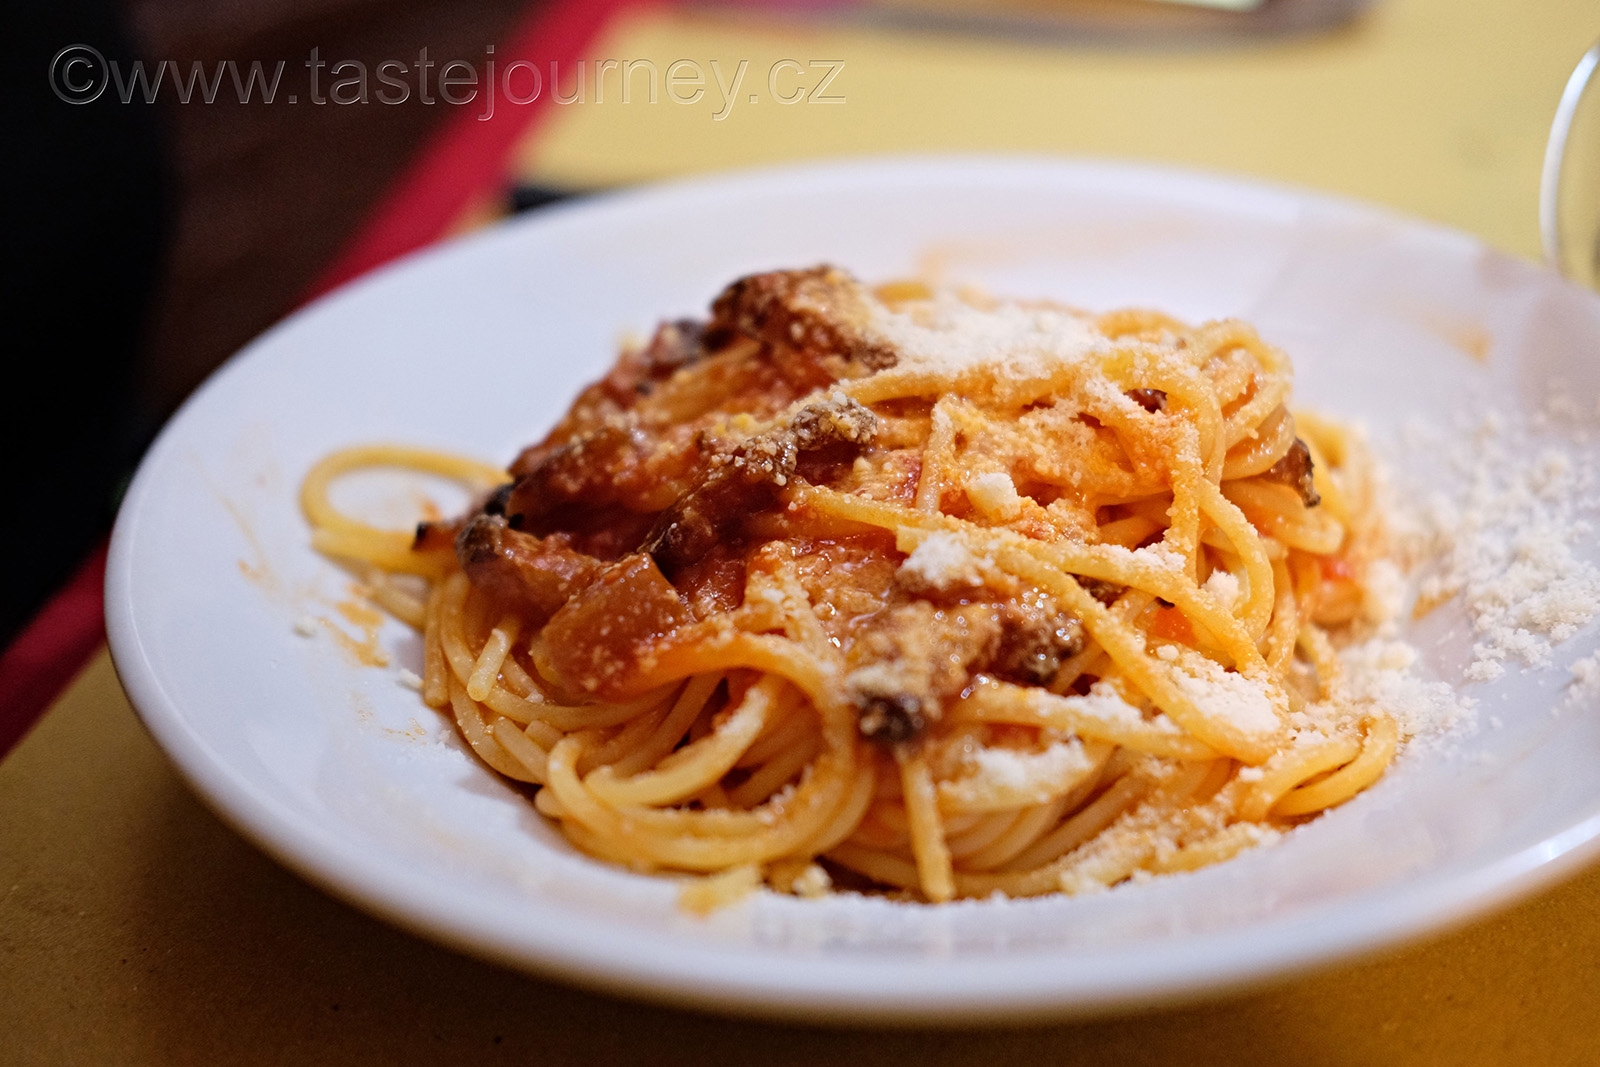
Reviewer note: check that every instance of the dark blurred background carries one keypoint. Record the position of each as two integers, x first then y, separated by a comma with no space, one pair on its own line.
154,240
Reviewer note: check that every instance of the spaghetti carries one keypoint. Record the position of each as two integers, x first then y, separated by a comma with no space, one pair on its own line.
906,589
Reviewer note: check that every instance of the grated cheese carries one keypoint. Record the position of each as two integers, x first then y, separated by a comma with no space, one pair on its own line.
1022,772
942,561
1383,594
1163,555
1241,701
1380,672
1508,546
1585,678
949,335
1224,586
994,495
1106,704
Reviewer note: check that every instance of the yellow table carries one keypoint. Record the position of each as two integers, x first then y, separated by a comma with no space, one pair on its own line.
136,928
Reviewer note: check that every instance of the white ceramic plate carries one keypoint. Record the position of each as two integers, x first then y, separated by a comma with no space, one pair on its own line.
342,774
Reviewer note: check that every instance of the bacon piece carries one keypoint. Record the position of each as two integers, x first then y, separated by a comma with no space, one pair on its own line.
891,718
820,311
1295,470
434,536
1151,400
740,483
675,344
1036,637
913,658
614,464
834,419
594,644
1102,590
537,573
748,479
